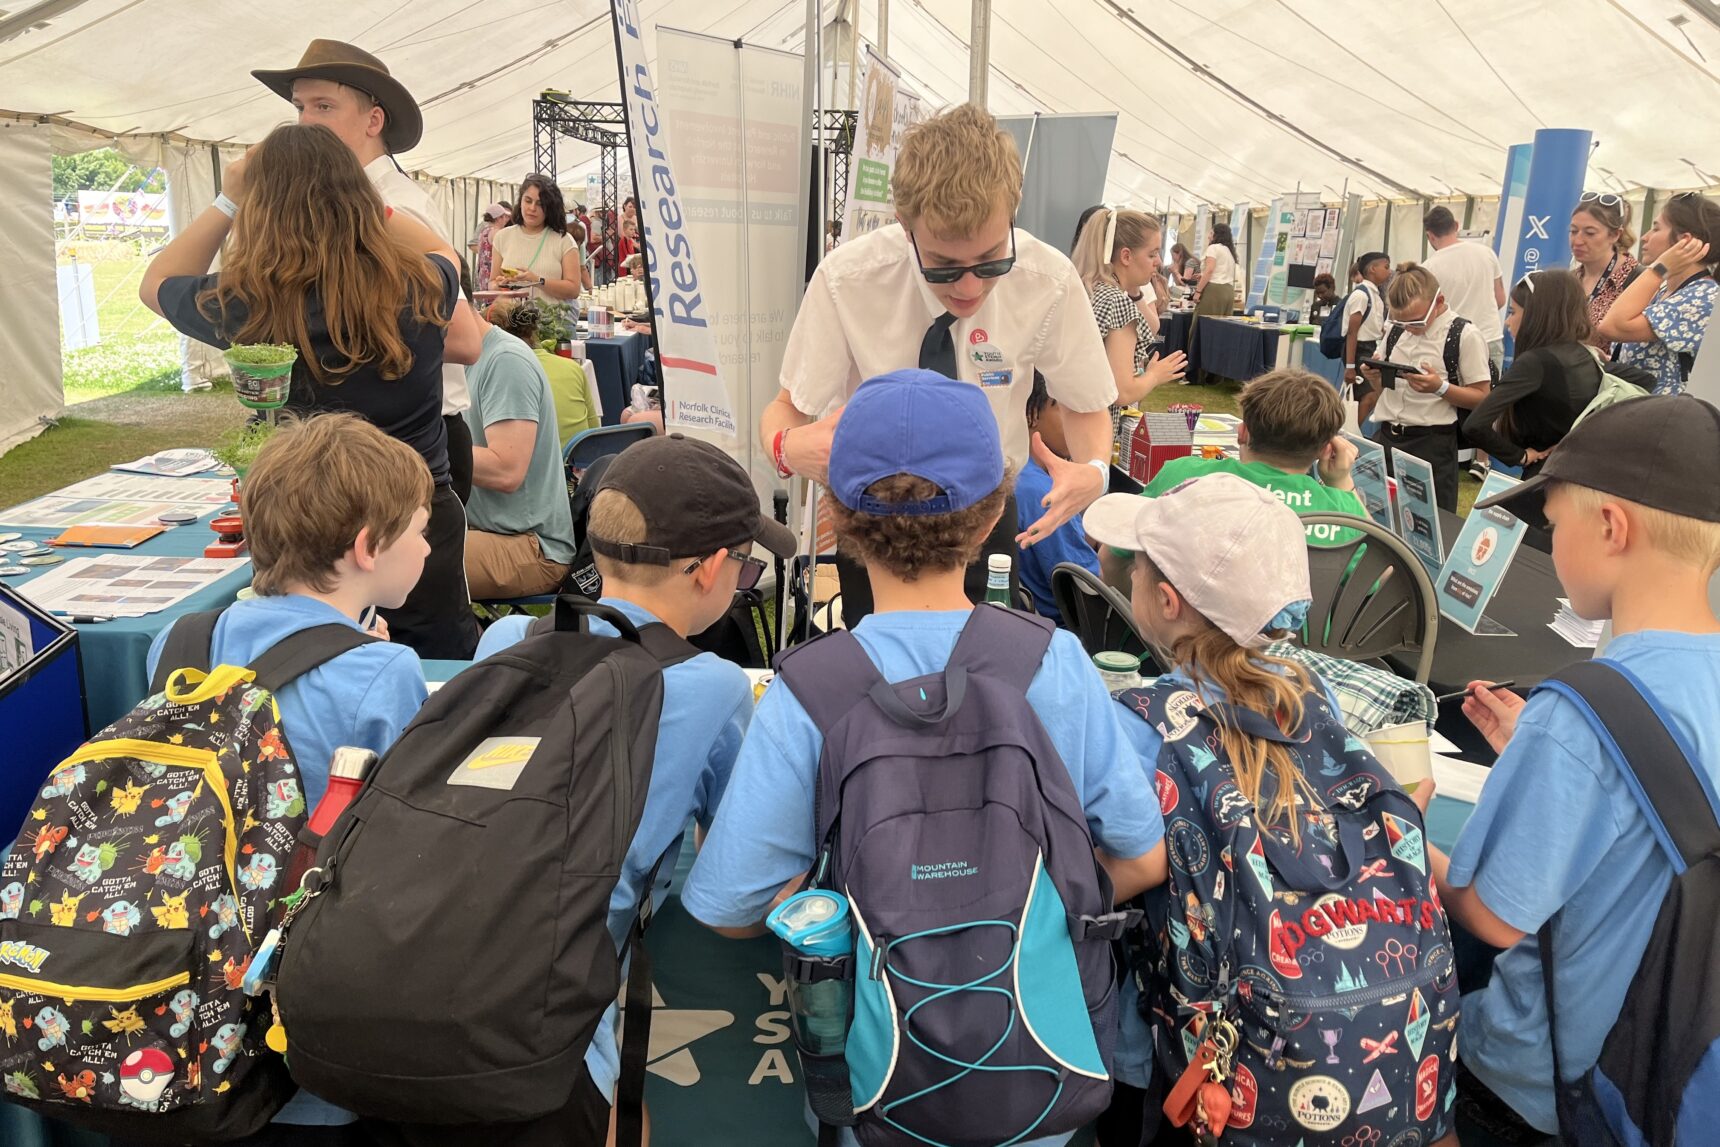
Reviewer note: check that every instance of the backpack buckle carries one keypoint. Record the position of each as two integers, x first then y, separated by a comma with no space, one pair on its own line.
1111,926
804,969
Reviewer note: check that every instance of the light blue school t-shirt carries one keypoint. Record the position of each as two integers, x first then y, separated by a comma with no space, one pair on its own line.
1556,831
763,835
363,698
1134,1064
707,703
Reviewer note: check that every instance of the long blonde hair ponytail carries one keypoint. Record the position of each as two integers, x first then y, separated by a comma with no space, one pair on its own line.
1095,259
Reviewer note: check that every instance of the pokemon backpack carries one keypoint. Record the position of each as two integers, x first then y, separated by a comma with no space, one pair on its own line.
131,903
1319,973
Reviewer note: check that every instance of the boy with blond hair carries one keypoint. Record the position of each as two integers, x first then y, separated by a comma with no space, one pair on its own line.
671,529
335,513
1633,498
953,287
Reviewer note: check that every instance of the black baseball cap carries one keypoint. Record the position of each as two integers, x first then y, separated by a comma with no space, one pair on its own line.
695,500
1662,452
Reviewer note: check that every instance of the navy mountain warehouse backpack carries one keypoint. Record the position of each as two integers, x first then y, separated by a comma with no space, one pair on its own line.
1658,1079
1323,969
984,986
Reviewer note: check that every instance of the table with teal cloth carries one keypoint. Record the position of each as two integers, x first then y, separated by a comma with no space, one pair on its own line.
616,362
115,652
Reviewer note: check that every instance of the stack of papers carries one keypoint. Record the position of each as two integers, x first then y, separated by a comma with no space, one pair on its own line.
1579,632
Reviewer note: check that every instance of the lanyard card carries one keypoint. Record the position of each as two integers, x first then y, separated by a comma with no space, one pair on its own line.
1369,475
1478,562
1418,515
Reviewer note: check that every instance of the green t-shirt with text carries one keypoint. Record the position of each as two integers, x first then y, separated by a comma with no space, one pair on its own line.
1303,493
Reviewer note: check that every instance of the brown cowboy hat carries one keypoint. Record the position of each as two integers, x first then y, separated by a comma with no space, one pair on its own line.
356,68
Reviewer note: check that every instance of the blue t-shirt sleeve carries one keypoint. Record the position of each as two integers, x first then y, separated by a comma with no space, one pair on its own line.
1547,776
389,701
514,390
762,835
500,635
720,762
1087,728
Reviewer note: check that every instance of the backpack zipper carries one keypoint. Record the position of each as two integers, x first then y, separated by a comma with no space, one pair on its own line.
71,993
620,766
158,754
1360,997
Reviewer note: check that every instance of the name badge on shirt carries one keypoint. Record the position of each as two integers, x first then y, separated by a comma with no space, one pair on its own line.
996,377
985,355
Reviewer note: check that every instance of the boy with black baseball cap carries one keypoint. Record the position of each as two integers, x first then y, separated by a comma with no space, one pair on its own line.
672,527
1633,499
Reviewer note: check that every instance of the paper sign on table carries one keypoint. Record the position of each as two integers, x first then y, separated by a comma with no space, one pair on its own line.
1483,552
125,585
1369,474
1418,514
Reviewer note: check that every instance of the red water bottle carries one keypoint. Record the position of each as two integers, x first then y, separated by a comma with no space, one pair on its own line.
347,769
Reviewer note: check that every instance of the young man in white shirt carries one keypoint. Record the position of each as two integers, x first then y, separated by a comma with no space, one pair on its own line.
956,289
1418,414
1470,276
350,92
1365,311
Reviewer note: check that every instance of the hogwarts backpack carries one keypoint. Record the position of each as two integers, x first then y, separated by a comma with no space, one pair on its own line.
130,907
984,987
1317,975
453,956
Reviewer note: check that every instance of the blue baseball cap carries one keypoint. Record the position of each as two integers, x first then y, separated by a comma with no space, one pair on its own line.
916,422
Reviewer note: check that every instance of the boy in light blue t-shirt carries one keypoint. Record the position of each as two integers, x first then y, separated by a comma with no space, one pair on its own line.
671,529
335,511
933,439
1633,496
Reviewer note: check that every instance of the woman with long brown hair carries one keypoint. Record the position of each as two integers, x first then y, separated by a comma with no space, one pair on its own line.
1663,316
310,257
539,252
1554,375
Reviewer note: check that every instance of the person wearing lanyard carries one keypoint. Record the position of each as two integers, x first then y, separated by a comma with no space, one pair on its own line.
537,253
953,287
1663,317
1418,414
350,92
1601,240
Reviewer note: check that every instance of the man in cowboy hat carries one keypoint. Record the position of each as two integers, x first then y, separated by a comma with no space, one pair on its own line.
350,92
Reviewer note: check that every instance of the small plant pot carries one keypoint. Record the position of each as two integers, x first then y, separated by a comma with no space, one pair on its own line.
260,386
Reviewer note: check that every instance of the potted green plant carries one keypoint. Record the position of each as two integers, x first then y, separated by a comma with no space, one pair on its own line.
238,448
262,373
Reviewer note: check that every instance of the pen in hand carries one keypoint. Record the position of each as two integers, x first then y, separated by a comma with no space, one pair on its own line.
1464,692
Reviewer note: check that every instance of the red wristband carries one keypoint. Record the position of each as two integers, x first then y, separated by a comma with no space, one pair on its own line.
782,469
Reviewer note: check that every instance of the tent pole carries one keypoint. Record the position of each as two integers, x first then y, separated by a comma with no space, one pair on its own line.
979,52
883,29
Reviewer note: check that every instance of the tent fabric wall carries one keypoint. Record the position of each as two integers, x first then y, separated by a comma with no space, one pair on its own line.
30,379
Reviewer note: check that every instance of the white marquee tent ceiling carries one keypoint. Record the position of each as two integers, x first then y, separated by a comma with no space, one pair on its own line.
1218,100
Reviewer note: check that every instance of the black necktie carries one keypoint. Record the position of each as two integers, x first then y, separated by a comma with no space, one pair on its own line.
937,349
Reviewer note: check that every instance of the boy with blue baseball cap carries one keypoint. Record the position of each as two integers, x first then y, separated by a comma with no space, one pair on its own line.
917,481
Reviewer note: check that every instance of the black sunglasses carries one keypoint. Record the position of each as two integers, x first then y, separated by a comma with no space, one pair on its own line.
751,569
990,269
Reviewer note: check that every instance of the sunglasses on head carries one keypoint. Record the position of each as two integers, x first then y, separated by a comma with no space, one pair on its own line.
751,568
1604,198
990,269
1528,281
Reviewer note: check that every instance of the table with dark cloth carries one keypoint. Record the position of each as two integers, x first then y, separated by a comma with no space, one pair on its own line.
1237,350
1173,335
1526,602
616,363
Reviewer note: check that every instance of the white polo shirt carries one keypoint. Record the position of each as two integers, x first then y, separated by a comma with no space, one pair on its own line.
1408,406
1467,272
1373,327
867,310
403,193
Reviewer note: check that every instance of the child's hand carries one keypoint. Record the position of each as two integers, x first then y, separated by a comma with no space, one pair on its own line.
1423,796
379,629
1493,712
1335,462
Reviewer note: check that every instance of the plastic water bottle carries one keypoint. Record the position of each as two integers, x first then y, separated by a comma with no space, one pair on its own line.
997,568
816,924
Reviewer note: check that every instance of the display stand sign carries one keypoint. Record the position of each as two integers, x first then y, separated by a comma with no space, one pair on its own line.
1369,474
1418,513
1477,565
41,702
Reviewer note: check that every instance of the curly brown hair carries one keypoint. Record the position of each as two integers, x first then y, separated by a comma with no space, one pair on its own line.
909,545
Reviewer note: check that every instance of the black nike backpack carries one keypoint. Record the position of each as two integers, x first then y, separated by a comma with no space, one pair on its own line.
455,958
